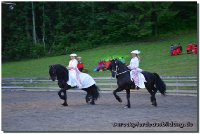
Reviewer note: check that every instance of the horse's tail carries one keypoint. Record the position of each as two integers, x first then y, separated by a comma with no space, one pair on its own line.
95,92
160,85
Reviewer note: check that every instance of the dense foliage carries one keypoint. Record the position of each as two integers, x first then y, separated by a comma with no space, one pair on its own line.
36,29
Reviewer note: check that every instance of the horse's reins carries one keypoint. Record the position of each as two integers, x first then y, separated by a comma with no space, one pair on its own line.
116,74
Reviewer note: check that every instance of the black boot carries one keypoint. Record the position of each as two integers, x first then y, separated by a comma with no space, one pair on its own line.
137,88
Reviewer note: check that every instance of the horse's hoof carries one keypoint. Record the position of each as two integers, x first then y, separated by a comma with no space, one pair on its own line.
65,104
127,106
164,94
87,100
119,99
154,103
92,103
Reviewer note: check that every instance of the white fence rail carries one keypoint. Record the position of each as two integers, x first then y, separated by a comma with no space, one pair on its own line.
175,84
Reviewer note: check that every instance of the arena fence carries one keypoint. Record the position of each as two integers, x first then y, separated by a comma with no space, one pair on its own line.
175,84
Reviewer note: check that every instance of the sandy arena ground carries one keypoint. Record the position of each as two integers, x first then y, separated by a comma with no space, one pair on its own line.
42,111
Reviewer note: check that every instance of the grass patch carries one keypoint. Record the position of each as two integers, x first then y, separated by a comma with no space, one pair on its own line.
154,58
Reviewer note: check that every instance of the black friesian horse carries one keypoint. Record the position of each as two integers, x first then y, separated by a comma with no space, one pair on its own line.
61,73
122,74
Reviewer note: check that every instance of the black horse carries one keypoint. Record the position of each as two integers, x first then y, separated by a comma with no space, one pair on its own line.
122,74
61,73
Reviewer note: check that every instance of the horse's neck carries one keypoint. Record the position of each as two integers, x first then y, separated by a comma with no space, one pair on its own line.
123,71
62,73
123,68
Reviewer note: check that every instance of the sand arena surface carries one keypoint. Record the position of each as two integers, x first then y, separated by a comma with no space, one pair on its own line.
42,111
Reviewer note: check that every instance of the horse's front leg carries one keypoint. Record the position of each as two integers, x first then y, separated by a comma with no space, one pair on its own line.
115,94
87,97
63,96
128,98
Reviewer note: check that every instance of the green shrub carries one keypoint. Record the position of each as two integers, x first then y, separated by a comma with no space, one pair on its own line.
37,51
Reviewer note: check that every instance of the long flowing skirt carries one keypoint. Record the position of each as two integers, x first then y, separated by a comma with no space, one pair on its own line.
81,80
138,77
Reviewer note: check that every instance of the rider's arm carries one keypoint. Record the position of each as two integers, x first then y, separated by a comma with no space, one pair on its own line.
134,64
69,68
73,65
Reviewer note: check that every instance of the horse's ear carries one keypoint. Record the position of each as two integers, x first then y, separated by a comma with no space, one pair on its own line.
51,66
115,61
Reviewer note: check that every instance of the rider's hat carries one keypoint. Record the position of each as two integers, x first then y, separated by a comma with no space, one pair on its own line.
73,54
135,52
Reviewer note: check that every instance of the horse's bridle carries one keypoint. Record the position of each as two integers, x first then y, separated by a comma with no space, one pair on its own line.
117,74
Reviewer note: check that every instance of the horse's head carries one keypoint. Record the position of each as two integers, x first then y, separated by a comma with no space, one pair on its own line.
117,68
52,72
58,72
113,67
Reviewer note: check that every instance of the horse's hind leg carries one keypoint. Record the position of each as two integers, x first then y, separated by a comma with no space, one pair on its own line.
90,95
154,103
92,102
115,94
150,89
128,98
87,99
94,94
92,90
153,97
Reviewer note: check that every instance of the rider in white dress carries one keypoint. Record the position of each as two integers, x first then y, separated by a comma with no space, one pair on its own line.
77,78
135,73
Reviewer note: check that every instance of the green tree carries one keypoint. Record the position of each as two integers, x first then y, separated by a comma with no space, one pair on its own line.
36,29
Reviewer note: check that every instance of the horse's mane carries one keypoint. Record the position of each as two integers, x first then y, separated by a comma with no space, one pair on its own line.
61,72
120,64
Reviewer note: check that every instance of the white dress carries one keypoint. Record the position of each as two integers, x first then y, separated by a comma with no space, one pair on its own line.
77,78
136,74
